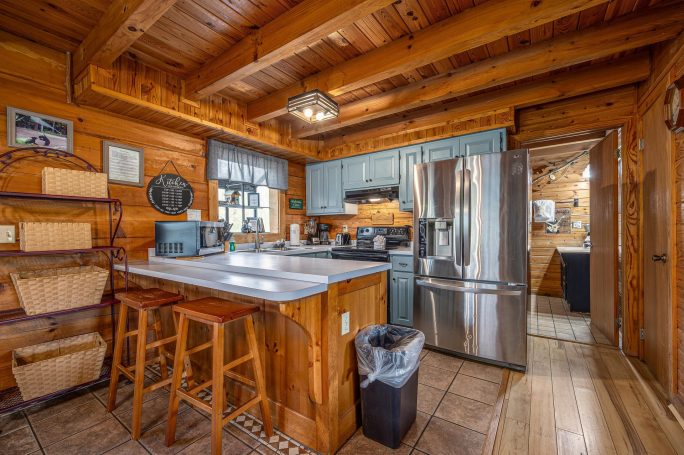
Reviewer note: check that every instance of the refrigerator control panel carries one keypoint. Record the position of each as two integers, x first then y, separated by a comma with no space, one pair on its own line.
422,238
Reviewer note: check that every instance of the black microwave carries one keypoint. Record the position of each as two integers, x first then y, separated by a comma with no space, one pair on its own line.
188,238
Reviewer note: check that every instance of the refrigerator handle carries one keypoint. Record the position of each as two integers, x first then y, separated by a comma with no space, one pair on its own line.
466,216
458,239
456,286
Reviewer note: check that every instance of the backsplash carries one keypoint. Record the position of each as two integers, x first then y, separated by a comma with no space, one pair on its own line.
364,218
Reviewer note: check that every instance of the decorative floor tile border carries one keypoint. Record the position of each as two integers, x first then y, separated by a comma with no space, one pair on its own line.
253,427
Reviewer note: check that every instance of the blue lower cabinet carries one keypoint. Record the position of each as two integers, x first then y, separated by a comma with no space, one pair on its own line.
401,298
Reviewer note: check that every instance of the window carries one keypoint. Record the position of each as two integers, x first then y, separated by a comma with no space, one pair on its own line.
234,205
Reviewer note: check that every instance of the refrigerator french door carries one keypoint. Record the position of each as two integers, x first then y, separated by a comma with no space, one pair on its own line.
470,217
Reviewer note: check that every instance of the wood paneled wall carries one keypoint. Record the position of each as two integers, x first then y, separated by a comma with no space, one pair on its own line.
544,266
32,78
365,218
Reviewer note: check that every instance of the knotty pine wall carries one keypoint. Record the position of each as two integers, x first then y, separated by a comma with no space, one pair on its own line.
544,266
32,78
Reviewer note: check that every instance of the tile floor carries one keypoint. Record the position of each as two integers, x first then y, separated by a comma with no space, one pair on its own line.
551,317
455,406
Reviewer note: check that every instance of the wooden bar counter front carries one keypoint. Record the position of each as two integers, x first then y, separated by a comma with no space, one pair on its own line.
310,367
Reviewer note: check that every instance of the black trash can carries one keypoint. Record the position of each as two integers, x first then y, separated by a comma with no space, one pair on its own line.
388,358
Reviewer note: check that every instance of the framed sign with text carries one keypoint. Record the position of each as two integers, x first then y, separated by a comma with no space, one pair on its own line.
123,164
170,193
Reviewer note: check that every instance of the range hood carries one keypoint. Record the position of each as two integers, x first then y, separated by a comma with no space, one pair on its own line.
372,195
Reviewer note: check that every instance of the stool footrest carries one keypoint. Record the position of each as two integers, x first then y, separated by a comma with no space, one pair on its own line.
238,361
126,372
195,390
132,333
157,385
194,400
161,342
253,402
238,377
199,347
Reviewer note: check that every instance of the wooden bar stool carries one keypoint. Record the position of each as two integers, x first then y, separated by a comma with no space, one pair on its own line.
144,301
216,312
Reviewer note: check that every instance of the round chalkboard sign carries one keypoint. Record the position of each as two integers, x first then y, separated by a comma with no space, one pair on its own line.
170,194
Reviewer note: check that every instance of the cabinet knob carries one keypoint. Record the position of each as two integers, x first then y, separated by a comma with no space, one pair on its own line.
370,180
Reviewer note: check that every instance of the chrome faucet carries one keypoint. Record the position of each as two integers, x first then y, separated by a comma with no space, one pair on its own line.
257,239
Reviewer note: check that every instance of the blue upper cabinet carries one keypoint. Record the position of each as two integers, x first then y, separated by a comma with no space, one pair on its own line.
324,194
410,156
355,172
441,150
384,168
493,141
368,171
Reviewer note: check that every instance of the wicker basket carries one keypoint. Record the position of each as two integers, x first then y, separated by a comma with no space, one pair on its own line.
45,291
46,368
54,236
74,183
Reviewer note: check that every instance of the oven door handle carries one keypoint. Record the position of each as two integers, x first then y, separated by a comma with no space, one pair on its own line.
459,286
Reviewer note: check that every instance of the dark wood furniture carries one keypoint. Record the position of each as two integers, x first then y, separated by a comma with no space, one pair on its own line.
145,302
575,278
216,313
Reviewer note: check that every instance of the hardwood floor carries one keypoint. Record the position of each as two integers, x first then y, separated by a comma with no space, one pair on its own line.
581,399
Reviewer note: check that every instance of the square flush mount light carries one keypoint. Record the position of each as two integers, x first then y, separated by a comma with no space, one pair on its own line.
313,106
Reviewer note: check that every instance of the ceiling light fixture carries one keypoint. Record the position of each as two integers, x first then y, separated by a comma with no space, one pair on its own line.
313,106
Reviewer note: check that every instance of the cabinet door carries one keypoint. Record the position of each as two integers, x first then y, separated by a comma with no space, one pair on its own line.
441,150
315,189
481,143
384,168
401,295
409,157
332,181
355,172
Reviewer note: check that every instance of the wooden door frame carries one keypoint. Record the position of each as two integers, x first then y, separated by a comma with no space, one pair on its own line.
631,232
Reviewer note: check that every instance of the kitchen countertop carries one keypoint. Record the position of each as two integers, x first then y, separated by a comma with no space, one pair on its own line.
573,249
308,269
268,276
275,289
402,251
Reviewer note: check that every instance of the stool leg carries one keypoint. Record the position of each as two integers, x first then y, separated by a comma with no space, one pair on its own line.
176,380
186,360
116,360
259,375
217,392
160,349
139,373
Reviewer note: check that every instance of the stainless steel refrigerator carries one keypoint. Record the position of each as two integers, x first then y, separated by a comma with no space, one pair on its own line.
470,253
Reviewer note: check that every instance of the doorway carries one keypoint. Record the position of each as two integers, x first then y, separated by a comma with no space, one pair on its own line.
562,267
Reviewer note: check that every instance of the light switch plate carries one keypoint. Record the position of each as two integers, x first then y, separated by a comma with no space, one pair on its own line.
7,234
345,323
194,215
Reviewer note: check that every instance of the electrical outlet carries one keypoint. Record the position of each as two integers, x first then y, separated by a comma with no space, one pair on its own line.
577,225
345,323
7,234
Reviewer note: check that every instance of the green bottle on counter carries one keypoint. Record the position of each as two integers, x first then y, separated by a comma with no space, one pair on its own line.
232,245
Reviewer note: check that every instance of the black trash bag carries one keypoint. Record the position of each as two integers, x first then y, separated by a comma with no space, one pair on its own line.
388,353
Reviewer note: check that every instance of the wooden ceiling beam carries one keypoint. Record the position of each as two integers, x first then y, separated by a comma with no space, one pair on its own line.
300,26
630,32
467,30
566,85
122,23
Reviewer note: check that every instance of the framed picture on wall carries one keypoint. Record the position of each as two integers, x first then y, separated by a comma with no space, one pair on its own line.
123,164
253,199
30,129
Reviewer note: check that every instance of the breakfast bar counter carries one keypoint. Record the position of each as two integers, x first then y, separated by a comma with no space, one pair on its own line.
311,312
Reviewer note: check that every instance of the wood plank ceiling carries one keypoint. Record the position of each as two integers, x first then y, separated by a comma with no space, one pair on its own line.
192,33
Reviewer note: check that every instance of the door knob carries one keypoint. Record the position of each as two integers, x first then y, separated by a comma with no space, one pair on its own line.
662,258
